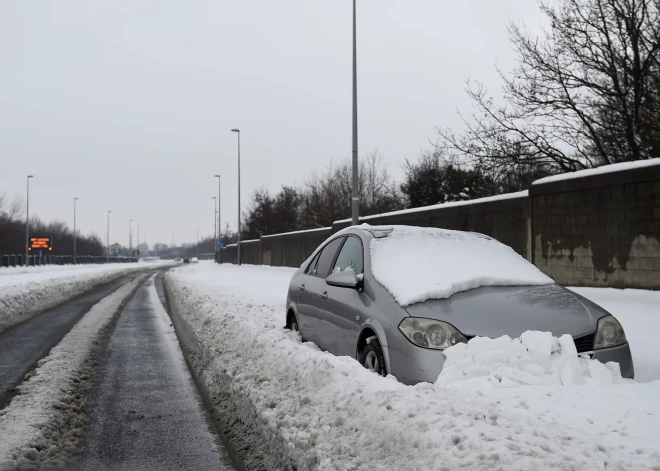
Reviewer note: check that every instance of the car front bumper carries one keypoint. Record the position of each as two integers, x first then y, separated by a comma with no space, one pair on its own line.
620,355
411,364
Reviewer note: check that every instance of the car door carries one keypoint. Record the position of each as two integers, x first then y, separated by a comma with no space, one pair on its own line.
338,309
311,291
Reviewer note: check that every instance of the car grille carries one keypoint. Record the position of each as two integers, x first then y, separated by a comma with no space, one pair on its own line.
585,343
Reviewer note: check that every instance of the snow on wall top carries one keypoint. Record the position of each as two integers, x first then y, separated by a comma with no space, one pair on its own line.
418,263
488,199
599,170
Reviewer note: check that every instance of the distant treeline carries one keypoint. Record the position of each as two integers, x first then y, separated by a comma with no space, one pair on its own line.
12,232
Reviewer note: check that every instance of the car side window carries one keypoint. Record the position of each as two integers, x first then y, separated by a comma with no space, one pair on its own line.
311,268
350,257
326,258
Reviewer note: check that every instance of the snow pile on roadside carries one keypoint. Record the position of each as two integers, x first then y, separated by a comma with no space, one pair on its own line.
419,263
309,409
43,422
536,358
25,293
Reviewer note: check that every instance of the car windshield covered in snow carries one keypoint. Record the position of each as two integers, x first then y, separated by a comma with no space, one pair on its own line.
419,263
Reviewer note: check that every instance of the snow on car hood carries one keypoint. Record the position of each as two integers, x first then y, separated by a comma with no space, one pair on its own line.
418,263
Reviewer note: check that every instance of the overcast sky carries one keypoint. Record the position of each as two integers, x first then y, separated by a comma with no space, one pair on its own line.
128,105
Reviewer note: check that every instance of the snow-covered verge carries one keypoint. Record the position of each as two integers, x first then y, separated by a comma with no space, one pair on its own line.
406,263
638,311
42,424
308,409
26,292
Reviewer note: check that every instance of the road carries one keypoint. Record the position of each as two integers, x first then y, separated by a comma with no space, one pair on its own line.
145,410
22,346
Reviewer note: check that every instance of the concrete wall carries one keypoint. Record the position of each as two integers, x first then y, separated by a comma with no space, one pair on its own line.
600,230
595,230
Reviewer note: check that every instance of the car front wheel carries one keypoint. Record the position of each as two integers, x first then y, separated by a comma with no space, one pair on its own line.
372,358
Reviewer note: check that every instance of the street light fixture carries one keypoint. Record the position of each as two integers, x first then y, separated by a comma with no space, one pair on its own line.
238,245
219,214
130,237
27,224
354,196
74,231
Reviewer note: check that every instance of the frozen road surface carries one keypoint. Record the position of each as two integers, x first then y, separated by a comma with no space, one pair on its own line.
107,387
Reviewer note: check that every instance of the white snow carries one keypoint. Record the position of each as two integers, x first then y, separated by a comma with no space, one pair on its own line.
26,292
536,358
314,410
600,170
419,263
306,231
451,204
27,421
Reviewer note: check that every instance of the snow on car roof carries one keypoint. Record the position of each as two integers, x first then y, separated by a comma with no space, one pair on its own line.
418,263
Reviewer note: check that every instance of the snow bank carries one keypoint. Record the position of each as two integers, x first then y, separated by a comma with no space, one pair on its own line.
43,422
536,358
302,408
600,170
26,292
419,263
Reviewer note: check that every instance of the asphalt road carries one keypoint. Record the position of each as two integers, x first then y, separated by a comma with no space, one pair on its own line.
145,410
22,346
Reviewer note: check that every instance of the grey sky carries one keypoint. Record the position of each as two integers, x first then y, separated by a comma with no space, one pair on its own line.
129,104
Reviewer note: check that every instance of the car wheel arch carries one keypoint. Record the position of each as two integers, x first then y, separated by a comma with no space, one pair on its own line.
368,330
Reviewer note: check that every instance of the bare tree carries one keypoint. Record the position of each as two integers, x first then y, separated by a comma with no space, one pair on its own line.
585,94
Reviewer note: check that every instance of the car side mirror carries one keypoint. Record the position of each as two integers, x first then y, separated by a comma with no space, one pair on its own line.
343,279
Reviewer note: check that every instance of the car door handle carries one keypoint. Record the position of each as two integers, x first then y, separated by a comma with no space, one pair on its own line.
302,288
324,296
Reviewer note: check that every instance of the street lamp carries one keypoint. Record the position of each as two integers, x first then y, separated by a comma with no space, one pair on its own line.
238,245
138,240
108,233
354,196
27,223
130,237
215,222
219,214
74,230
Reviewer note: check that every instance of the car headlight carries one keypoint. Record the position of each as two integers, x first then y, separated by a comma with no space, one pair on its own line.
609,333
429,333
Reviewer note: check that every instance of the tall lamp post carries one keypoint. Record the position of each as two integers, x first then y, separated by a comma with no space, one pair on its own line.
108,233
238,245
219,239
354,197
130,238
138,239
215,222
27,224
74,231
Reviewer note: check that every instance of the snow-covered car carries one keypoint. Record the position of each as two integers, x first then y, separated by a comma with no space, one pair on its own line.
194,260
395,297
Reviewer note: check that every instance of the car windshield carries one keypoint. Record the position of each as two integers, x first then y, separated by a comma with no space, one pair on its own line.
417,263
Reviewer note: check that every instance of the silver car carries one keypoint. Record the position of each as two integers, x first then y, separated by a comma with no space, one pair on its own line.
335,301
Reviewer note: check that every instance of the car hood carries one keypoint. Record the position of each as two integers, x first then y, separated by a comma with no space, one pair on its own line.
512,310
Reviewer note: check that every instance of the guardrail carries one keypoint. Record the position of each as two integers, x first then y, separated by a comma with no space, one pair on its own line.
17,260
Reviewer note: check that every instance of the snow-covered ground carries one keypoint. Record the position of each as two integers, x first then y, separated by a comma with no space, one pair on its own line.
43,422
318,411
25,292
